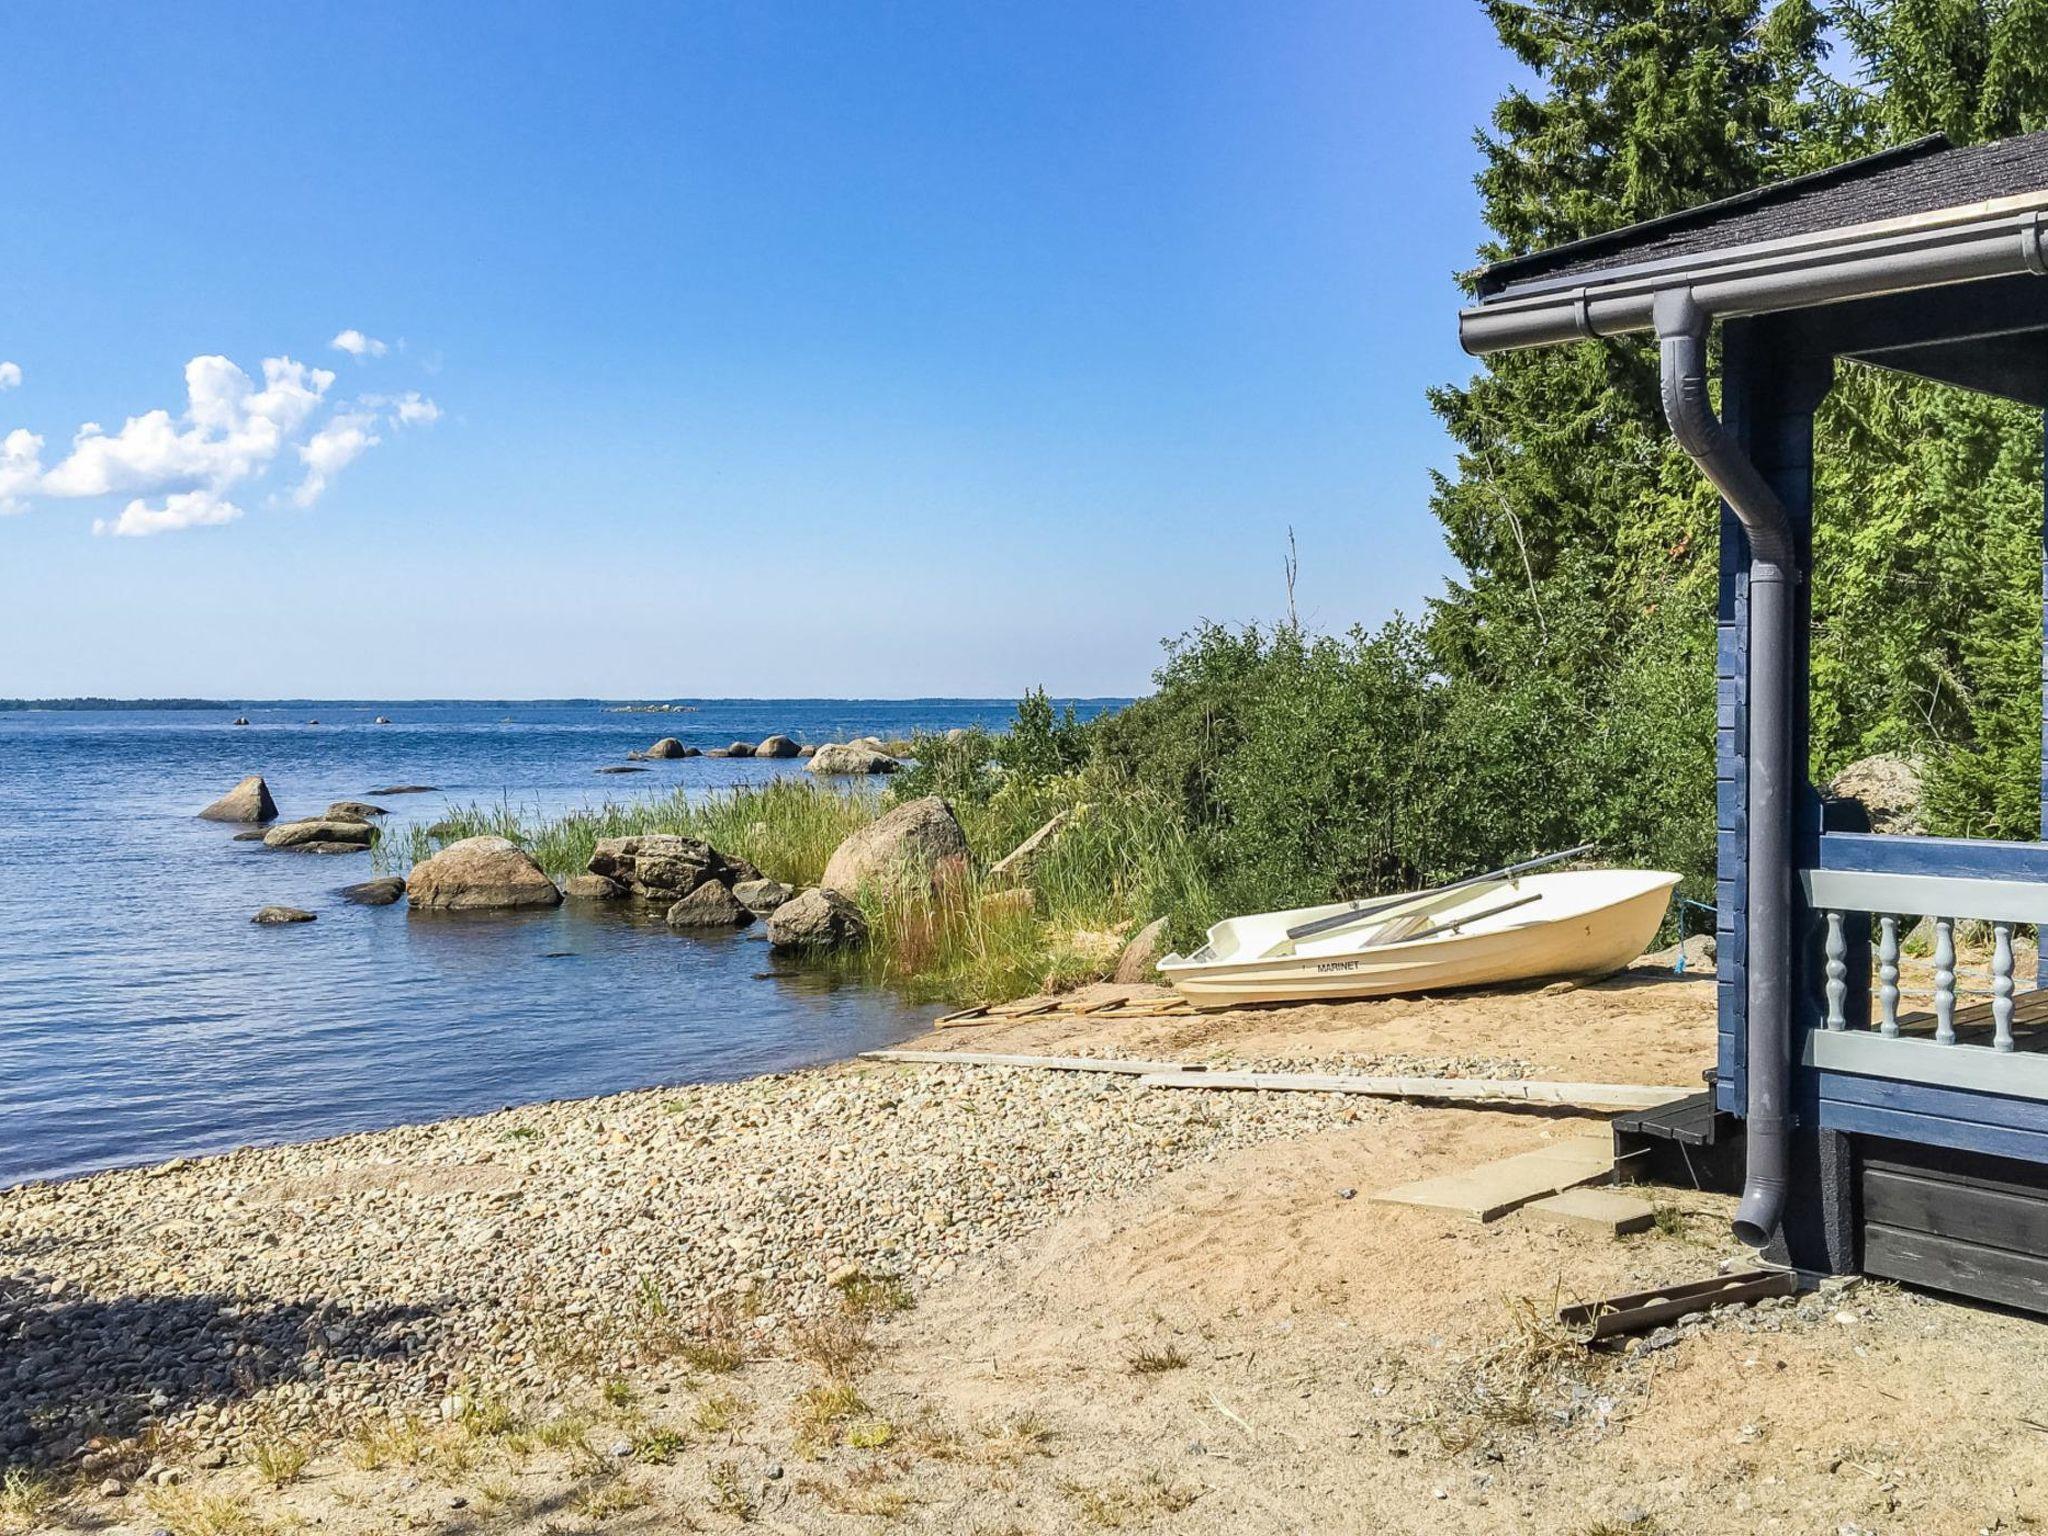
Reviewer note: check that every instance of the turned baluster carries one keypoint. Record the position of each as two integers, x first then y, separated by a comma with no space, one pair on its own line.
1944,981
1888,975
1838,973
2001,986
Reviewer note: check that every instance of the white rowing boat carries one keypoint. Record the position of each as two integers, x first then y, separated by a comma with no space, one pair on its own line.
1534,927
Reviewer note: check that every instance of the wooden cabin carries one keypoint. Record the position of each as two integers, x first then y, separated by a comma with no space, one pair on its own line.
1885,1132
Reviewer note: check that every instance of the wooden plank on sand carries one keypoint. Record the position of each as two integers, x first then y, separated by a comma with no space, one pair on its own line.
1492,1190
1049,1063
1482,1090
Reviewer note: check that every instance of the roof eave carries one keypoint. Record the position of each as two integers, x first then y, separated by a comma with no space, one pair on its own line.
1950,245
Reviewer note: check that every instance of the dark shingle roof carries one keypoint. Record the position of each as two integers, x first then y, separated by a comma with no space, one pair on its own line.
1920,177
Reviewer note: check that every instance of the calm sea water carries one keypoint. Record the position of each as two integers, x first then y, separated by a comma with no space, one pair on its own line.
142,1015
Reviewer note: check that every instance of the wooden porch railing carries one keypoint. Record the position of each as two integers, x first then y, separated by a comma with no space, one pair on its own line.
1999,1045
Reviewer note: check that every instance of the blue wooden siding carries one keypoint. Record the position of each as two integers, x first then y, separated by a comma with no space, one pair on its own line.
1941,1117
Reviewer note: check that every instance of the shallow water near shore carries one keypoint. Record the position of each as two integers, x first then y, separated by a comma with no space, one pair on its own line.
143,1017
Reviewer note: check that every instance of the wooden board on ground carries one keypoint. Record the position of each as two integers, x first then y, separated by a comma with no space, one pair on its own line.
1049,1063
1055,1011
1599,1210
1492,1190
1461,1089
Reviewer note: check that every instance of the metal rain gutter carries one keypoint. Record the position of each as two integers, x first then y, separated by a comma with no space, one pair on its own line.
1773,569
1922,251
1680,300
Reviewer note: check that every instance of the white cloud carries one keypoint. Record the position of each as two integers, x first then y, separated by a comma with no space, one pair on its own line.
230,432
182,470
412,409
356,344
185,509
21,466
330,450
10,375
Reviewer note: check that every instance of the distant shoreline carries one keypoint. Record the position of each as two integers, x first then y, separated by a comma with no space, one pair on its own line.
105,705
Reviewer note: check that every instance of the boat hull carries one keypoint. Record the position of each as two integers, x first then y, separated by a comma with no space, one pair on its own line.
1590,942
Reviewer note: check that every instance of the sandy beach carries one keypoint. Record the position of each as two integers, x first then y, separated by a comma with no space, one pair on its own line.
972,1298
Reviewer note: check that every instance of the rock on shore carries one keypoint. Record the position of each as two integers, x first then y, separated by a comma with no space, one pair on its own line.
761,896
818,919
910,845
660,866
850,758
480,874
247,801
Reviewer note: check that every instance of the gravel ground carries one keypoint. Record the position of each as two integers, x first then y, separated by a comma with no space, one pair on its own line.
201,1303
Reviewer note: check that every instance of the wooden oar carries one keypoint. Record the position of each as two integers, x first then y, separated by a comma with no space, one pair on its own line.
1359,911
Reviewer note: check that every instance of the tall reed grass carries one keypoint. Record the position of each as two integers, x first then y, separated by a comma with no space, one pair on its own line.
786,828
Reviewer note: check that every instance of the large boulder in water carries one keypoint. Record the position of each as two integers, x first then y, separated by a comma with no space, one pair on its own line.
319,835
844,758
776,746
247,801
817,920
905,847
668,747
480,874
1888,787
658,867
381,892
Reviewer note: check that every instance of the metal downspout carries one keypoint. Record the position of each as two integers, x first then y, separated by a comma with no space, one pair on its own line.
1682,335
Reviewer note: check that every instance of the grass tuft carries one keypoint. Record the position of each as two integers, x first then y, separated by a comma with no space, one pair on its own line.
279,1462
1155,1362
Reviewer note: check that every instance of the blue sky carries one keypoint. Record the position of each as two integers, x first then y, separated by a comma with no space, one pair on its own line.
749,348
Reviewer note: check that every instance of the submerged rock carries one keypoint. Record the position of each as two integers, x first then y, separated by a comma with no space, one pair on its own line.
658,867
1141,956
276,916
776,746
480,874
851,758
253,835
247,801
408,789
319,835
818,919
761,896
375,893
620,768
711,905
907,846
